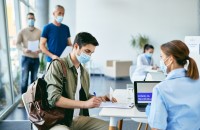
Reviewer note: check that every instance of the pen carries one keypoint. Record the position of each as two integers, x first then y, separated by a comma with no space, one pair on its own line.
94,93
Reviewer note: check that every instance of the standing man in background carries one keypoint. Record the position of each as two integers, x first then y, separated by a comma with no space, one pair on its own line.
56,35
28,42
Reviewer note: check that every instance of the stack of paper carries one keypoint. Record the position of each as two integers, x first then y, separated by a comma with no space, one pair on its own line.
116,105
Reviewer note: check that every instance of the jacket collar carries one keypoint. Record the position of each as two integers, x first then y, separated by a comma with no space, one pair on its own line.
177,73
71,65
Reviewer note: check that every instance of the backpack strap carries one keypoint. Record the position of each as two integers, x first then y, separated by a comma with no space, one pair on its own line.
64,70
62,64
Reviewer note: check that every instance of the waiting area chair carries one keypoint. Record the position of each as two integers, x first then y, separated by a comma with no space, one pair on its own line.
141,122
117,68
26,105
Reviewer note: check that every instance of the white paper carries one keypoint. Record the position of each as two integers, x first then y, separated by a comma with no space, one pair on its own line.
193,43
111,93
33,45
116,105
67,50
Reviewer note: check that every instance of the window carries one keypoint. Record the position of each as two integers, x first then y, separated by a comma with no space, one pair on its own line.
14,55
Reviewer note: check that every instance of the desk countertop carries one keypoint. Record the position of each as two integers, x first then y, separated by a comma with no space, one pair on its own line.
120,95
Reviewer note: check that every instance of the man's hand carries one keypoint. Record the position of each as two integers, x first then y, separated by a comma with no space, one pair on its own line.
93,102
27,51
106,98
55,57
37,52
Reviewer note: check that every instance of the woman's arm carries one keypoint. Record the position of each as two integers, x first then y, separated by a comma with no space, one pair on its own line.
154,129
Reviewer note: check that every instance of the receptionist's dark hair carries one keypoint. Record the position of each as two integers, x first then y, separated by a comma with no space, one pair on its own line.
147,47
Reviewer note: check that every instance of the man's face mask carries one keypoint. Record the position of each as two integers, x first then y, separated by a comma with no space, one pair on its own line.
59,19
83,58
31,22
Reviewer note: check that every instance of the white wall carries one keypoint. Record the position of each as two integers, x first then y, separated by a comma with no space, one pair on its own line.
113,22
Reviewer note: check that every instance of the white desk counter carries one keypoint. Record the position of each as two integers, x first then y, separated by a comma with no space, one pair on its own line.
117,114
155,75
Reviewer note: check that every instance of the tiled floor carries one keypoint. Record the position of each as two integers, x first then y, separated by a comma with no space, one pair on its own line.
99,84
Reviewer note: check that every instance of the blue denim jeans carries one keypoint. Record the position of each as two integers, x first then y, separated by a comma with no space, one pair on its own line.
28,65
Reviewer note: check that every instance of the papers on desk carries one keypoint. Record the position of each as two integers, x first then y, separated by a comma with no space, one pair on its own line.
116,105
111,93
33,45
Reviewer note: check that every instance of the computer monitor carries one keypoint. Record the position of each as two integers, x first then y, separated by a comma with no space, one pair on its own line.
143,92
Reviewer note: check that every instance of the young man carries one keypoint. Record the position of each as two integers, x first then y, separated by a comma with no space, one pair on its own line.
56,35
29,58
77,99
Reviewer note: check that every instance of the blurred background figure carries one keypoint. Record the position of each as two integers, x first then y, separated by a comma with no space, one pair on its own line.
144,64
28,43
55,36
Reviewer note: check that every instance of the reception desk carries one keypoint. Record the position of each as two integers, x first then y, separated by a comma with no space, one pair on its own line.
155,75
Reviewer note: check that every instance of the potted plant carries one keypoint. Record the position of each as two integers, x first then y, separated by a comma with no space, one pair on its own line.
139,41
42,66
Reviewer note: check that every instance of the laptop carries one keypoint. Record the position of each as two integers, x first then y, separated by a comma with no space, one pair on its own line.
143,93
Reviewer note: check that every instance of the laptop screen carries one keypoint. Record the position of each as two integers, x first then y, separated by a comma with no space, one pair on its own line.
143,91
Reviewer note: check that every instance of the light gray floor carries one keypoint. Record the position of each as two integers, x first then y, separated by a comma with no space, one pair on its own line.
18,119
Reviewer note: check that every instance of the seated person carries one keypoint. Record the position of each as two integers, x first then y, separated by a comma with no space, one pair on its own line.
77,99
175,101
144,62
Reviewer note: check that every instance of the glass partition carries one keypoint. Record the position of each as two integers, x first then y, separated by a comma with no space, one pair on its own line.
10,12
5,89
14,54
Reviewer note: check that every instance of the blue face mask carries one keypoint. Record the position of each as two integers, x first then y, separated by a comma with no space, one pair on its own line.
83,58
31,22
163,67
149,55
59,19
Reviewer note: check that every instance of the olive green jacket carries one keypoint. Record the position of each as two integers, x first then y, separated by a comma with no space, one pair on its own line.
55,89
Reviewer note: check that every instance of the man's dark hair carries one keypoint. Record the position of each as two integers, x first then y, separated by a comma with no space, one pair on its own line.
84,38
31,14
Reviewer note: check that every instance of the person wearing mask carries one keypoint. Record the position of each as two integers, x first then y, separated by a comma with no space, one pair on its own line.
30,58
77,99
175,101
144,63
55,36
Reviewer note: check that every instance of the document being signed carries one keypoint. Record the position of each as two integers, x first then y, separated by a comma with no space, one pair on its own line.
116,105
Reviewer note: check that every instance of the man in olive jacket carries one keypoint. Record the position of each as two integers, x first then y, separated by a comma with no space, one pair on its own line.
77,99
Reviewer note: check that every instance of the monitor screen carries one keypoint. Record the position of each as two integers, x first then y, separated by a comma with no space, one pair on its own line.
144,91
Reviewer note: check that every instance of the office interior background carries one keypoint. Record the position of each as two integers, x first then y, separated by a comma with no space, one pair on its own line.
112,22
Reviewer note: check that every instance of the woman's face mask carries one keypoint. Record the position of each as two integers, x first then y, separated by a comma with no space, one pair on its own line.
163,67
149,55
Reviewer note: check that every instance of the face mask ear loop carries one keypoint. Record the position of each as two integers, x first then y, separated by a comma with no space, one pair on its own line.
166,60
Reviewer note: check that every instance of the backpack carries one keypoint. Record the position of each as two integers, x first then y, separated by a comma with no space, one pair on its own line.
35,99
